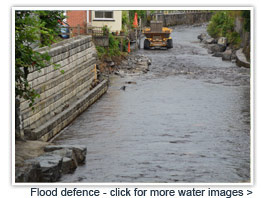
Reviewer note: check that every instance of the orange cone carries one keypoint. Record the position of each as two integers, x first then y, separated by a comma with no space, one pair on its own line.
129,47
135,21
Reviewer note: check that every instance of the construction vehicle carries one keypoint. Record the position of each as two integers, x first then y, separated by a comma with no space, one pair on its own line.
157,36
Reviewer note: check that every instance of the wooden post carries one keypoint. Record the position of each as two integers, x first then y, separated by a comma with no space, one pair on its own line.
140,34
121,44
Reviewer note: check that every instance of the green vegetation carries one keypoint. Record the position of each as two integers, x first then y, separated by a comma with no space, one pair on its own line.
125,20
246,16
32,28
222,24
113,48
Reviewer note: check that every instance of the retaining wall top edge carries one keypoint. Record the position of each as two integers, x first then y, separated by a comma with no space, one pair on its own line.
61,44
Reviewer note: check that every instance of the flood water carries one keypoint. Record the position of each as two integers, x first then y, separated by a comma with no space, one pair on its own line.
186,121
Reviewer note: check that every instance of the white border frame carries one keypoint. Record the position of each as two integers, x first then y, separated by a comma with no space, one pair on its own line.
252,102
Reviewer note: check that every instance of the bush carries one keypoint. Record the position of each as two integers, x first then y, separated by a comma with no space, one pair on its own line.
233,38
110,51
222,24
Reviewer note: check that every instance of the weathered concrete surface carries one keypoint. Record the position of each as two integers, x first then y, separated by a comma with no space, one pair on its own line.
241,59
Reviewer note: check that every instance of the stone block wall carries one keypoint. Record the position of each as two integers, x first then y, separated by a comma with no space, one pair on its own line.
59,93
184,18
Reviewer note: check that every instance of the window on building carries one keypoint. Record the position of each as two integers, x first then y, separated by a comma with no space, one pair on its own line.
103,15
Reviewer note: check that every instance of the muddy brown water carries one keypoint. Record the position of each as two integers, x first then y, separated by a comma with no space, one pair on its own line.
187,120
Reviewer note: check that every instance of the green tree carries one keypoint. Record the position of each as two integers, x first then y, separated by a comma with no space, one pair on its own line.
32,29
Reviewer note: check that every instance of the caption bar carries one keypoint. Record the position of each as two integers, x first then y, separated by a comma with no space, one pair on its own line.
139,192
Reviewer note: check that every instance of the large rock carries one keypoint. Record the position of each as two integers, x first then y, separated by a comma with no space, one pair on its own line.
79,151
70,162
241,59
227,55
217,48
209,41
202,36
218,54
29,172
50,167
222,41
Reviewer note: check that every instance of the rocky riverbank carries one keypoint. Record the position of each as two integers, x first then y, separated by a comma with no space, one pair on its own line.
221,48
37,161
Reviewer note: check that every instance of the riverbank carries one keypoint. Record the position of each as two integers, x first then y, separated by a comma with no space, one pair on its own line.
185,121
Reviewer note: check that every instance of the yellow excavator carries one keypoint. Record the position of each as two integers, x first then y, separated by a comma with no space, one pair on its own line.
157,36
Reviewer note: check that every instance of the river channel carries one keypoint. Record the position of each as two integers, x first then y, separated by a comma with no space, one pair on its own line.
185,121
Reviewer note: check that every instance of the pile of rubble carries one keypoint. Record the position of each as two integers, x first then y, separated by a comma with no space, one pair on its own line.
124,64
135,64
220,48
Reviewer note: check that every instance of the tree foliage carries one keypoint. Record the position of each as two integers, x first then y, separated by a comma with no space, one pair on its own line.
32,29
222,24
246,16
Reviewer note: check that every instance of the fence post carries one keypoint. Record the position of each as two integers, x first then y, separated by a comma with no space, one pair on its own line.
121,44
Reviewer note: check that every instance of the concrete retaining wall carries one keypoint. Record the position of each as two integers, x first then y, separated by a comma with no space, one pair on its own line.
184,18
62,96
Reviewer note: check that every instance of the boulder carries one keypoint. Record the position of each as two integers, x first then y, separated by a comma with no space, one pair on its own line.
218,54
217,48
210,51
50,167
79,151
209,41
227,55
241,59
70,162
202,36
68,165
29,172
222,41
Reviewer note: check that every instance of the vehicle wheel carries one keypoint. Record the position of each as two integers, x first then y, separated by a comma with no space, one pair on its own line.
169,43
146,44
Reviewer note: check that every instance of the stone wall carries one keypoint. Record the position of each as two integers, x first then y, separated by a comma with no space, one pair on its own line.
60,94
184,18
245,36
